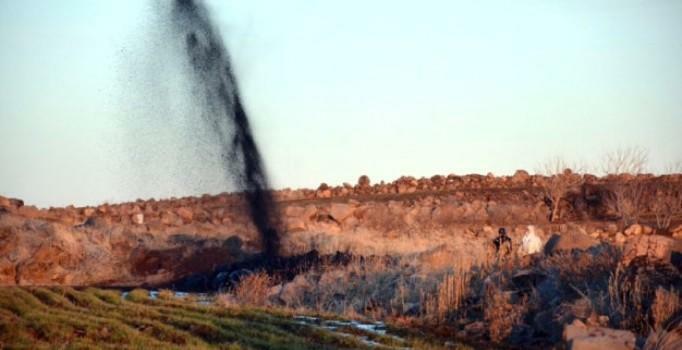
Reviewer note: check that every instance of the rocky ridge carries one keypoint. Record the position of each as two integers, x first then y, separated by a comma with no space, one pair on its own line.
150,242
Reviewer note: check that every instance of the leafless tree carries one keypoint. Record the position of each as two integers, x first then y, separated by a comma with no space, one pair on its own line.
559,182
629,160
626,195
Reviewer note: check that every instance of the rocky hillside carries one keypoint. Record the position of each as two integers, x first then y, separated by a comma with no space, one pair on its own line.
152,242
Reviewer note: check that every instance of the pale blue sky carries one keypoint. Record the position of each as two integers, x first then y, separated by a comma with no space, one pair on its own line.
91,108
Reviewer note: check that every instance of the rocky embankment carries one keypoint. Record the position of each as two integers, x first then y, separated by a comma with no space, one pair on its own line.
152,242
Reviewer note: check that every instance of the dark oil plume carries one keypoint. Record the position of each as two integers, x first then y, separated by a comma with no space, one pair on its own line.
218,92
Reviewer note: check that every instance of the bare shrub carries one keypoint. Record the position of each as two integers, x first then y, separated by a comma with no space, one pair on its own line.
666,305
561,179
627,294
626,198
667,204
577,268
253,289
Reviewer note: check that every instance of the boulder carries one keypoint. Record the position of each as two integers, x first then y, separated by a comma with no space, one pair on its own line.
11,202
582,337
295,224
652,248
185,214
88,211
363,181
520,176
677,232
620,238
569,241
637,229
169,218
340,211
4,202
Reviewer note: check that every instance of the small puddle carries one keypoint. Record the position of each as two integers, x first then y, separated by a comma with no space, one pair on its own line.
202,298
338,327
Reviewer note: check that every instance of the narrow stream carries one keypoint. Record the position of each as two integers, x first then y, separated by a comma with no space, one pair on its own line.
341,327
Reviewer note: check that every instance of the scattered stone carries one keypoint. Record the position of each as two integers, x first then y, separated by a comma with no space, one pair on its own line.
620,238
652,248
185,214
633,230
677,232
169,218
582,337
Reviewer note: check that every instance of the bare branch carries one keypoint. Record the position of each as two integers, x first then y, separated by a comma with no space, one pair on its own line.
673,168
630,160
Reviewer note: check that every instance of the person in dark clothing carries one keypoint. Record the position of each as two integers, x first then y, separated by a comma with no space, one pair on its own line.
503,244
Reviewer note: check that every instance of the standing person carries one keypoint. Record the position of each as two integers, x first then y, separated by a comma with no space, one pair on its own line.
503,244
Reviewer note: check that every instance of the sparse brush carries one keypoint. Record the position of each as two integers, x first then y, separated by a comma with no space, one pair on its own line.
627,294
138,295
578,268
225,300
665,338
166,294
501,313
666,305
190,299
449,297
253,289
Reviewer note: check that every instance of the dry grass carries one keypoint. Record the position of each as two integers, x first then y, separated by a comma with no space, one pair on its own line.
448,301
253,289
138,295
668,338
665,306
626,296
166,294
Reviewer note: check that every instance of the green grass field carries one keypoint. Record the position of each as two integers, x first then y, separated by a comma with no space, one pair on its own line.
65,318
